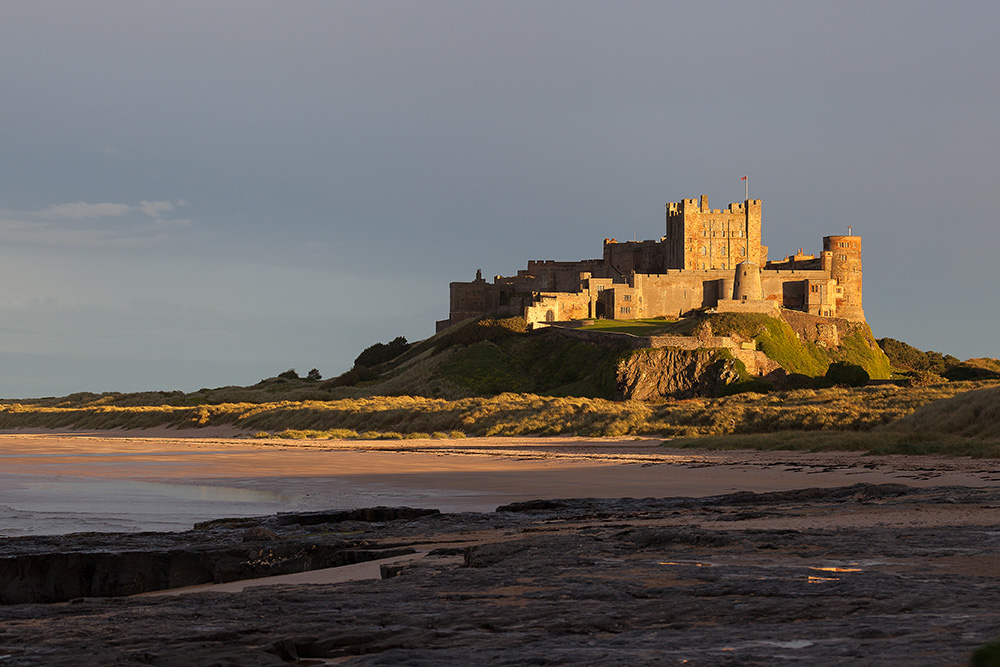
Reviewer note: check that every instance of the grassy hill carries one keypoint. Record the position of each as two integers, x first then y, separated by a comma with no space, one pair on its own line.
493,377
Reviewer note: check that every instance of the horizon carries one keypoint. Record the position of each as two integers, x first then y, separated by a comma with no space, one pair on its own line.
207,194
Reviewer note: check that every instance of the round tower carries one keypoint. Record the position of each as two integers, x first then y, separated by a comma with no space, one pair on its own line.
726,288
845,268
746,282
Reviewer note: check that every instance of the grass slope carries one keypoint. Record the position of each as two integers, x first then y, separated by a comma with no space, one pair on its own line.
778,341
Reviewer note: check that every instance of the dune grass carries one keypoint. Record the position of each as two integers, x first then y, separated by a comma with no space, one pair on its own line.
965,424
875,442
834,415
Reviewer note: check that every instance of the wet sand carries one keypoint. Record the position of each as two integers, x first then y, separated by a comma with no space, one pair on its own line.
152,475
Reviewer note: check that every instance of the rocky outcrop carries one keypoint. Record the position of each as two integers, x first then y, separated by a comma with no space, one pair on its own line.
64,567
674,373
860,575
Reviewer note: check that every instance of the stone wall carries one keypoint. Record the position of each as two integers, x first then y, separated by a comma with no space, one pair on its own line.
824,331
664,278
705,238
558,308
759,306
633,256
551,276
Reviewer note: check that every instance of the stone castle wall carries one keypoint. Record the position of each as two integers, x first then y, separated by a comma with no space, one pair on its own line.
706,238
643,279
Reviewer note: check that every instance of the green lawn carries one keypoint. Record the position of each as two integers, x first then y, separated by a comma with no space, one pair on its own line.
635,327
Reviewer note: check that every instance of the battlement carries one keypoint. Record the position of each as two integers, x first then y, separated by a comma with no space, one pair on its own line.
701,206
694,266
558,264
831,242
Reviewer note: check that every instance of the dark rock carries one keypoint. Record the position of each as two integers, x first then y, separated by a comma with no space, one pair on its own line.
259,534
633,582
63,567
369,514
390,571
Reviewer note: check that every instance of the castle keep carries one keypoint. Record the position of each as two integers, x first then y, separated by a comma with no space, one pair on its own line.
708,258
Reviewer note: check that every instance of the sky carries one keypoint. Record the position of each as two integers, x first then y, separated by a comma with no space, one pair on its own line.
201,194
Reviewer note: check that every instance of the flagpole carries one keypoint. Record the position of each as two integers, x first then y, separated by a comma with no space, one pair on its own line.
746,216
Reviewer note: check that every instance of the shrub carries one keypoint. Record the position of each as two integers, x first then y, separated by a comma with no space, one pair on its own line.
922,378
847,375
903,355
754,385
987,655
799,381
314,375
482,330
379,353
290,374
352,377
970,370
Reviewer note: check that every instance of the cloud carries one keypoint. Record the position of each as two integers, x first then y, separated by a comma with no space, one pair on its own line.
154,208
161,223
39,233
82,211
81,224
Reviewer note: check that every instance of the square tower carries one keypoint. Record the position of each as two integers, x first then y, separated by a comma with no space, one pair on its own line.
699,237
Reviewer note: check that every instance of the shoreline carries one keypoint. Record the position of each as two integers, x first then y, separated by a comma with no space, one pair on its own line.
896,553
181,479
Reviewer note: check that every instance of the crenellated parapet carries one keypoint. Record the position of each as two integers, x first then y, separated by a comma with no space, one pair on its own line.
708,258
700,237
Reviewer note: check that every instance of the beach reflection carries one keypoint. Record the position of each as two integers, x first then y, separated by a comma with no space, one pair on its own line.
52,506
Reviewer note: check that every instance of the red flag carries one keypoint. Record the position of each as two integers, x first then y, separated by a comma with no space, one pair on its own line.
744,178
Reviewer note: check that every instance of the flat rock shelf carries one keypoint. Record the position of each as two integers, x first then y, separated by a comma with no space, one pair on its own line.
870,574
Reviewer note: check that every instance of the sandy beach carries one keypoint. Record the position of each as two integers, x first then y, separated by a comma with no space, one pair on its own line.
167,479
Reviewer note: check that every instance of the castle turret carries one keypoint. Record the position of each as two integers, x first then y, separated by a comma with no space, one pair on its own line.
845,268
746,282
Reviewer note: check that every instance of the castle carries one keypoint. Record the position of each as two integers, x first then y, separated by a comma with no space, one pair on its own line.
707,259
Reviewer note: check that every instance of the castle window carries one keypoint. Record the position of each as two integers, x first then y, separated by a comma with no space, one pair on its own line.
627,297
703,266
814,288
743,251
625,310
704,251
